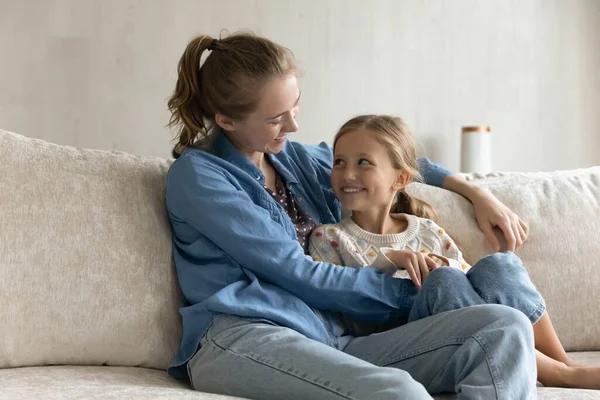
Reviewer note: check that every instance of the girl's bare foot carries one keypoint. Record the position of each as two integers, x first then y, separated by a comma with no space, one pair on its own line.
552,373
571,363
581,377
586,377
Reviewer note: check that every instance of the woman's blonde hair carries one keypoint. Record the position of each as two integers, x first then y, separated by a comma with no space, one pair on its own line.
229,82
393,133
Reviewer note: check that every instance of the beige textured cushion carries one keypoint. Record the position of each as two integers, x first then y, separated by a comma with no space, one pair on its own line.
101,383
563,252
85,257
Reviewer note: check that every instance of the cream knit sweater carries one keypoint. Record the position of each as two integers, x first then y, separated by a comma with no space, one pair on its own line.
349,245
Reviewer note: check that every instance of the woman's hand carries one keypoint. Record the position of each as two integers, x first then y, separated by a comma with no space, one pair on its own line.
491,213
418,265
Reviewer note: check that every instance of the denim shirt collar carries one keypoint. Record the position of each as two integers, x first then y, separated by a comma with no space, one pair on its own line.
226,150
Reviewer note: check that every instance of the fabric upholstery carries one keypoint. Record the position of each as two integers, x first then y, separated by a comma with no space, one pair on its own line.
91,383
123,383
85,258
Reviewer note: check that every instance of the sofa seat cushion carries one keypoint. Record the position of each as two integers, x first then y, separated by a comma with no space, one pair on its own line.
86,382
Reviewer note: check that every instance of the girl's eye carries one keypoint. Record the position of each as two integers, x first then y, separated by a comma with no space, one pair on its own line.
338,162
275,122
363,161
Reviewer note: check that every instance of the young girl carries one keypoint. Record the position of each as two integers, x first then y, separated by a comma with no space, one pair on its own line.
374,160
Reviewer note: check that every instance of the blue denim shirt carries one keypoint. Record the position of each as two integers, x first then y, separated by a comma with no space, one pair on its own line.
236,252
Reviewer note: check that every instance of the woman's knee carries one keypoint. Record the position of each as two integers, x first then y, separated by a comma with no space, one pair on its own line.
505,333
508,318
515,327
392,383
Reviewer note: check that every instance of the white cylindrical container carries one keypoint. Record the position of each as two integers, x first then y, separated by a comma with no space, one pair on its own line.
476,149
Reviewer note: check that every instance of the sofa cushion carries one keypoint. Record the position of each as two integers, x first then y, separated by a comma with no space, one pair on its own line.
86,275
562,253
102,383
108,383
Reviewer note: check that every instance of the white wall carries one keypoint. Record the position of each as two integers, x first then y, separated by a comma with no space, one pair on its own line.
96,73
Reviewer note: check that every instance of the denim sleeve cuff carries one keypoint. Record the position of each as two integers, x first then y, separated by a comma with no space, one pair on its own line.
433,174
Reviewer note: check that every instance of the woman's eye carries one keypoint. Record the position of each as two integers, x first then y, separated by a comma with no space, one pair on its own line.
275,122
338,162
363,161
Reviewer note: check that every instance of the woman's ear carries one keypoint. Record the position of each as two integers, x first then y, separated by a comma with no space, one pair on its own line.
226,123
402,179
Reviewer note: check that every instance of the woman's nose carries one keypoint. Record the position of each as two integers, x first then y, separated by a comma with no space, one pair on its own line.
292,124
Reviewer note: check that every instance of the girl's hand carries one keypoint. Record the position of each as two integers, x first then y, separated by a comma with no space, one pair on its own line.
418,265
439,262
491,213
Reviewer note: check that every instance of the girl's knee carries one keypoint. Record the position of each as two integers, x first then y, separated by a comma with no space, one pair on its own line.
498,265
501,260
445,281
444,275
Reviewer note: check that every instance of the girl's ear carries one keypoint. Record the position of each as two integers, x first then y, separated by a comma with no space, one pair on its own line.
402,179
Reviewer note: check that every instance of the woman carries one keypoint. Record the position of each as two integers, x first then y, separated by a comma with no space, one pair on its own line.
260,317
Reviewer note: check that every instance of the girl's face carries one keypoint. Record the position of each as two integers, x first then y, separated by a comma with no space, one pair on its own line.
266,129
363,175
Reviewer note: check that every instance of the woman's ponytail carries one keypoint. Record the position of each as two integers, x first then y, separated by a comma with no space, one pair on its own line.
187,110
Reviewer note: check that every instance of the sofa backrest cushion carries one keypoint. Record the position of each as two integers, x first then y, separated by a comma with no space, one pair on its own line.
86,274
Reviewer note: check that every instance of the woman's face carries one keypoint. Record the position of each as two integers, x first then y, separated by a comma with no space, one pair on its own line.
266,129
